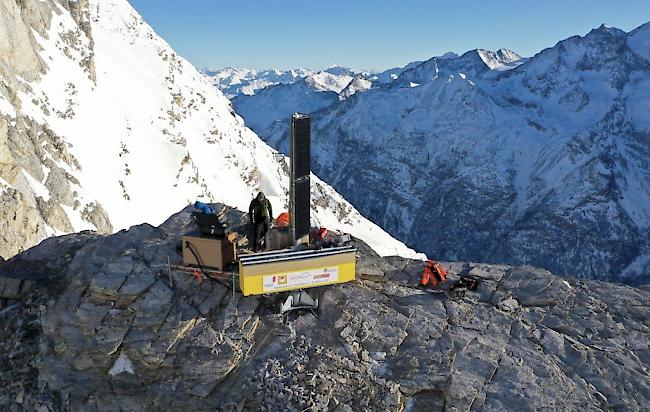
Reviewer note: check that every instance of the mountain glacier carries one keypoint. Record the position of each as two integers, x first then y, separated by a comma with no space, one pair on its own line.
491,157
103,125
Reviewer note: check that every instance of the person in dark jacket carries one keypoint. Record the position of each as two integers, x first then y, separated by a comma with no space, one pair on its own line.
260,212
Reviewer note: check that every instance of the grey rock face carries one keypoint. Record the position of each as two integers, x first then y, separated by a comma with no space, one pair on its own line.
95,214
54,215
21,224
17,44
96,323
28,151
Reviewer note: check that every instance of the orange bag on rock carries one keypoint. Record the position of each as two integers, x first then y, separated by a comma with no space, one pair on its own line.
282,220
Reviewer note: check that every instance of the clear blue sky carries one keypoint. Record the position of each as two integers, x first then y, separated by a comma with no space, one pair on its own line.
371,34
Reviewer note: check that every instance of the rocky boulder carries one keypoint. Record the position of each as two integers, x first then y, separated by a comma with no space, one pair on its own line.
96,322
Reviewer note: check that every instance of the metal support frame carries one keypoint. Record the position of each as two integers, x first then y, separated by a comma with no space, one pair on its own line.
211,274
275,256
299,299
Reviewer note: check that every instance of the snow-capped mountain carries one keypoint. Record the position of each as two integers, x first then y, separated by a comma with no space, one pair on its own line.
307,95
359,83
240,81
233,81
316,92
273,103
334,79
266,100
393,73
490,157
103,125
474,63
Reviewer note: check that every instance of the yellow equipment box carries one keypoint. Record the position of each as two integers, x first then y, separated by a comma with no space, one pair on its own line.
284,270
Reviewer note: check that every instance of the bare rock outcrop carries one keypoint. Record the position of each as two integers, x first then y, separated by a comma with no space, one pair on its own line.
94,213
19,48
97,323
36,168
21,223
36,185
17,44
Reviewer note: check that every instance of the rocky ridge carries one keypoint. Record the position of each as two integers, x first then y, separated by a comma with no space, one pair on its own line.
95,322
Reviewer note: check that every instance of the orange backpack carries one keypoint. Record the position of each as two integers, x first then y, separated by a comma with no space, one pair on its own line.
282,220
433,273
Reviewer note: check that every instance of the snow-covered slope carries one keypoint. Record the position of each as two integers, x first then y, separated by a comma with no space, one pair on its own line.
359,83
639,41
233,81
489,157
277,103
334,78
132,130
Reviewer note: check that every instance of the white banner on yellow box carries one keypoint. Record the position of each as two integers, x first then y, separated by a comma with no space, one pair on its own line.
303,278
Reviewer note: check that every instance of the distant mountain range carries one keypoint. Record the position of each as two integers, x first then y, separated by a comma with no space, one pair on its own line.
235,81
232,81
281,93
492,157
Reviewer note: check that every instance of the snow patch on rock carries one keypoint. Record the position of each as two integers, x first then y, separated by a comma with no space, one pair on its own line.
122,365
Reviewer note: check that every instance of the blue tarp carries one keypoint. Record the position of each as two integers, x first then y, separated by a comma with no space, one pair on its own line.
203,208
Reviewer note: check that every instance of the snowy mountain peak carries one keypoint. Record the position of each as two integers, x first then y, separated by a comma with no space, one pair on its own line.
503,59
643,27
605,29
639,41
508,56
234,81
388,75
448,55
334,80
474,63
359,83
340,71
611,51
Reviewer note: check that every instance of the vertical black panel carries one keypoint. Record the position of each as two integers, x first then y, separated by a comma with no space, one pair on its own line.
300,151
300,145
302,208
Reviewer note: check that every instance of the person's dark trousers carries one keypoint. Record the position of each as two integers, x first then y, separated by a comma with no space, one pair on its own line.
259,231
253,232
